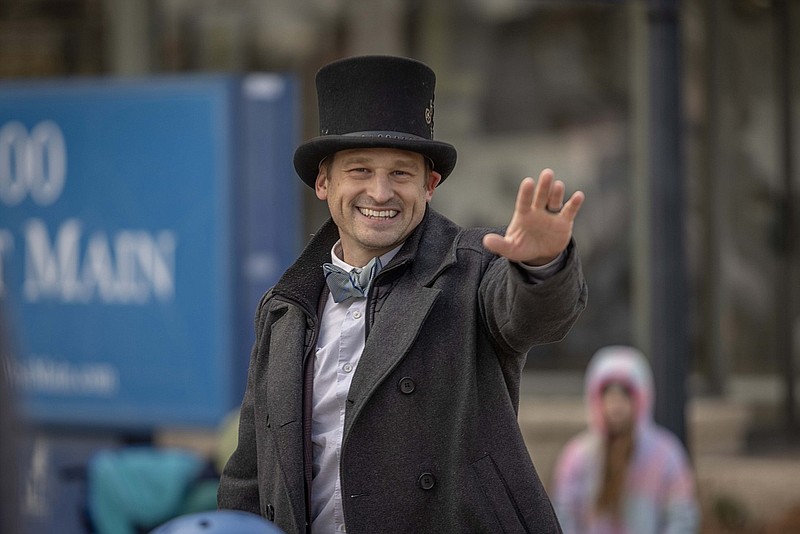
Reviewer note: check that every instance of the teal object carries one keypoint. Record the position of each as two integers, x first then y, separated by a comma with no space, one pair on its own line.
139,487
202,497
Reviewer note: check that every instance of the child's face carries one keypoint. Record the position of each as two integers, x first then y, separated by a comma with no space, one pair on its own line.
617,408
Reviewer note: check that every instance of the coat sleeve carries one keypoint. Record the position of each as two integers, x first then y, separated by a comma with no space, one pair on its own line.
238,487
520,314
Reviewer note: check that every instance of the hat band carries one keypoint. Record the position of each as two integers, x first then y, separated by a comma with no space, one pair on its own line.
386,135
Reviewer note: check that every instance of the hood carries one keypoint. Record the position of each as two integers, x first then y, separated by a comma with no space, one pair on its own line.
623,364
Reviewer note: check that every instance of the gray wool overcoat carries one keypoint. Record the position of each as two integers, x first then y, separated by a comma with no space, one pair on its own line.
431,441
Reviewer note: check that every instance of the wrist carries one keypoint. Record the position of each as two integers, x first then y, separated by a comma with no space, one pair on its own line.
543,261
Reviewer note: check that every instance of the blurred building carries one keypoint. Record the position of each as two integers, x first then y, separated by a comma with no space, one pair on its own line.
525,84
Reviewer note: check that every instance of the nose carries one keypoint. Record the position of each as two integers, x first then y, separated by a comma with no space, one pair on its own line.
380,188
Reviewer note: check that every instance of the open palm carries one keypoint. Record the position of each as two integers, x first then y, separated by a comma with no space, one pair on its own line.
541,226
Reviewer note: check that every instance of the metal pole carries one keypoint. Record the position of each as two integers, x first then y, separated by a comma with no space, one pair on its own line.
710,305
786,225
669,338
640,186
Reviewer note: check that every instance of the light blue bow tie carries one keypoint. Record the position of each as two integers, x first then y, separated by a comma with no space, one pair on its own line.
354,284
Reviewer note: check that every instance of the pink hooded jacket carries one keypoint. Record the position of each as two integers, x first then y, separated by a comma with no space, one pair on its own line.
659,497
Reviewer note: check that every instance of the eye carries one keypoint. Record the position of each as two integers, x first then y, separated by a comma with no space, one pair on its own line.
357,171
402,174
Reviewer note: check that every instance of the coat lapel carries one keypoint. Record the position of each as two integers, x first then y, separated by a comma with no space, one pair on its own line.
389,340
405,309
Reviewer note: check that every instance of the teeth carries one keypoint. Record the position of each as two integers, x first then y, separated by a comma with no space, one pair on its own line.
379,213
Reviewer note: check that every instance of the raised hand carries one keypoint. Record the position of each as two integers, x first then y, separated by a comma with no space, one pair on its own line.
541,226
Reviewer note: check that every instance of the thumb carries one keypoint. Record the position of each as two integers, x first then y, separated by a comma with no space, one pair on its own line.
495,243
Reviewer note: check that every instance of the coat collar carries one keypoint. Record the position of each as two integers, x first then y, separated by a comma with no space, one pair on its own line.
303,281
428,250
422,252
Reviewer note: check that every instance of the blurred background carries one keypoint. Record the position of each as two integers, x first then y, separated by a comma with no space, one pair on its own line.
677,119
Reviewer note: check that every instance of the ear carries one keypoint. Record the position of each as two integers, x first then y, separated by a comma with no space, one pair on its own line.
432,181
321,185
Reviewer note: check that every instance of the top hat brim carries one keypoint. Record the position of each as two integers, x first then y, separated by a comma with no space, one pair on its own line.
308,156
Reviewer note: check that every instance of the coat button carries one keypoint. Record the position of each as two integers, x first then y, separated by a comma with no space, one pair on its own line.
407,386
426,481
270,513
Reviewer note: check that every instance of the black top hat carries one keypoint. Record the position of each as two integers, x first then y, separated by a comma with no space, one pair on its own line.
374,102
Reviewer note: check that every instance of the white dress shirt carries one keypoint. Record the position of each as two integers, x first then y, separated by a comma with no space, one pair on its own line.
341,340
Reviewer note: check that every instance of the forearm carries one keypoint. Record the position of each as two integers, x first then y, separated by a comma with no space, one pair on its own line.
521,313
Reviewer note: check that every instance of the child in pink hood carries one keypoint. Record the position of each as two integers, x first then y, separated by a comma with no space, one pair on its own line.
624,474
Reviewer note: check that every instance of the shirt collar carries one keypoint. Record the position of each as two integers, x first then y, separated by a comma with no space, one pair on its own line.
337,247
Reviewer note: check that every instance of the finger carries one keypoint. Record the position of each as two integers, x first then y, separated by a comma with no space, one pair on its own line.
495,243
573,205
542,193
525,194
556,198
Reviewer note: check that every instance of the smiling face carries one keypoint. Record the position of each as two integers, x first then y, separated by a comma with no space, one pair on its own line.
376,196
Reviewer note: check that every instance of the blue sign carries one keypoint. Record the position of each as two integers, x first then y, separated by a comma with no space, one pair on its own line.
141,221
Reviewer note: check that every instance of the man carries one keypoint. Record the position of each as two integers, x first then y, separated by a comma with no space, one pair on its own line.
387,402
625,473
